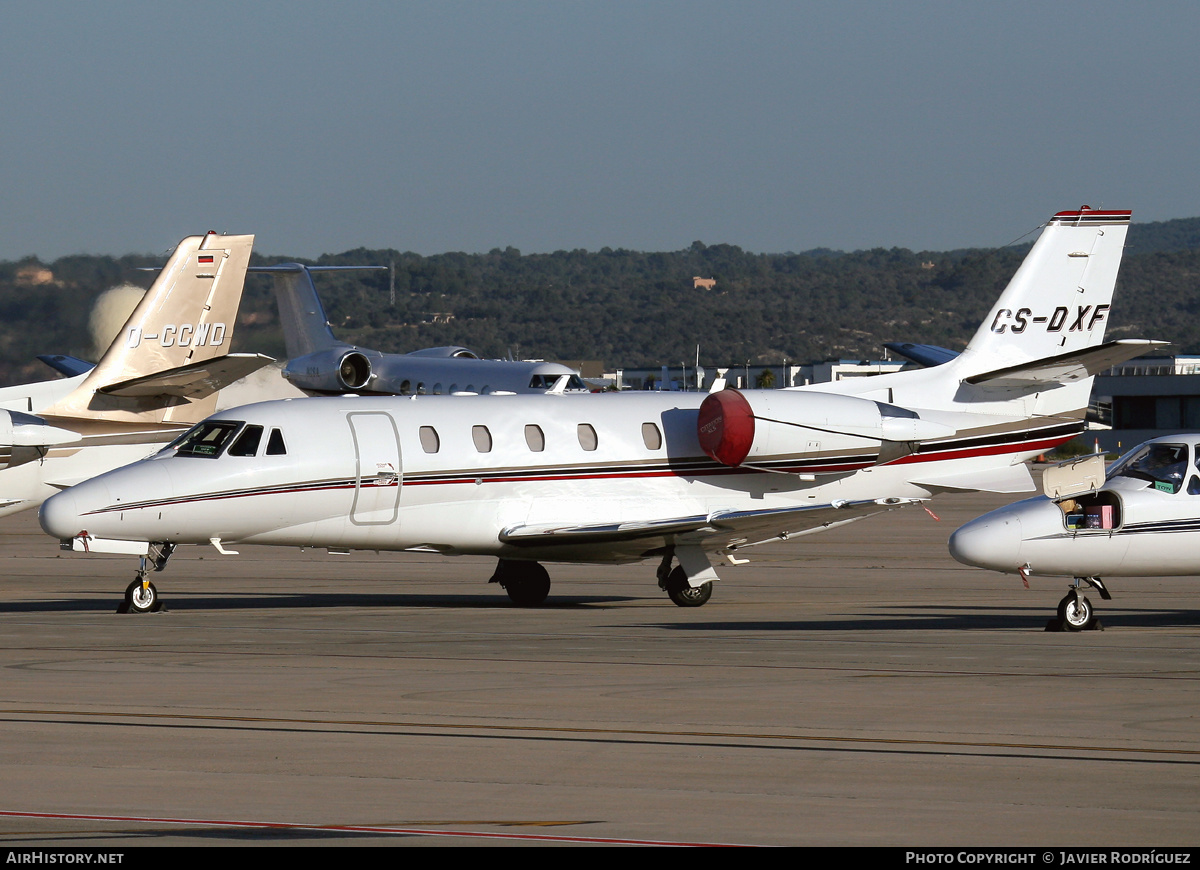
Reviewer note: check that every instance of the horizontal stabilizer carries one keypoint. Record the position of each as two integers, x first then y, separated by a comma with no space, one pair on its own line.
67,365
192,381
1067,367
1010,478
925,355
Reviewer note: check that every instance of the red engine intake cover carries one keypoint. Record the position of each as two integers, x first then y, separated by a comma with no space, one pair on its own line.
726,427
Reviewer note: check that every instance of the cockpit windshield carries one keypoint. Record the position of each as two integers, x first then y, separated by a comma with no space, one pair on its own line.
1163,465
207,439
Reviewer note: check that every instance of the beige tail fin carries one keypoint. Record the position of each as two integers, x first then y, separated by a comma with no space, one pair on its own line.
186,317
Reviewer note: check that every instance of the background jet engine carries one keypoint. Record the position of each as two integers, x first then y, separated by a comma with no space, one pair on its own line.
24,438
330,371
736,427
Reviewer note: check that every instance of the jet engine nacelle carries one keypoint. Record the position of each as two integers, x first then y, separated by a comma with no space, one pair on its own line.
735,427
24,438
331,371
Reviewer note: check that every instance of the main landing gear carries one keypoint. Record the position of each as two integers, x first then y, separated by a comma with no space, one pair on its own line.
527,583
1075,612
675,581
140,595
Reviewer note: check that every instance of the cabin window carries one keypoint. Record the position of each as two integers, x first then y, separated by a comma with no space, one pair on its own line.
453,389
535,438
247,442
1194,485
420,388
651,436
430,442
275,445
437,388
405,387
587,436
208,439
482,438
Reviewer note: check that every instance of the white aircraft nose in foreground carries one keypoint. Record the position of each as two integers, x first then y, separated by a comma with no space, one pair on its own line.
674,477
1141,519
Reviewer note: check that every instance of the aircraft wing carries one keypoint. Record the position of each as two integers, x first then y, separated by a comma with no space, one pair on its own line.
1068,366
192,381
715,531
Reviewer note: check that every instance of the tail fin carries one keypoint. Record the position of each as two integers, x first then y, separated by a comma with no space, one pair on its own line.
1057,304
186,318
306,327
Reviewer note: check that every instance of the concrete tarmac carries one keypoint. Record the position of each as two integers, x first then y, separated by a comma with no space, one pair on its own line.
856,687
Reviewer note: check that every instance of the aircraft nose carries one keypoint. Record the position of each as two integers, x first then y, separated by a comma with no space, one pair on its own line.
992,541
59,515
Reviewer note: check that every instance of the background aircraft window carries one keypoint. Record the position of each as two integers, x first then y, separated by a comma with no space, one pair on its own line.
651,436
453,389
247,442
482,438
535,438
437,388
405,387
208,439
430,442
587,436
275,445
421,388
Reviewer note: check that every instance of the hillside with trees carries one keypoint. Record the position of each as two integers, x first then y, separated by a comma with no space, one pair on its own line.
626,307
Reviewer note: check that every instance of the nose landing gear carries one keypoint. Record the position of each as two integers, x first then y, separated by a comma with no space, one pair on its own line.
140,595
1075,612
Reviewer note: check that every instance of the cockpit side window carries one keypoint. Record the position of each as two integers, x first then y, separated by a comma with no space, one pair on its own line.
208,439
1162,465
275,445
247,442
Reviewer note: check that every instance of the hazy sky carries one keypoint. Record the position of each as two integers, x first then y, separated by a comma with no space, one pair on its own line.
438,126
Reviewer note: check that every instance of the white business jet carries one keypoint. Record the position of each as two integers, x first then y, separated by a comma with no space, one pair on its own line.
157,379
673,477
1140,519
319,363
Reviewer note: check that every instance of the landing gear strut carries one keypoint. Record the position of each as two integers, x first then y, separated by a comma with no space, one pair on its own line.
1075,612
527,583
140,595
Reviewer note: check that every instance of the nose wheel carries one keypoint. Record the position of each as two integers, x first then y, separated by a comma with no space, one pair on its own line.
140,595
1075,612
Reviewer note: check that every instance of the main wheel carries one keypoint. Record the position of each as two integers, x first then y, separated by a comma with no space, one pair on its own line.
141,599
683,593
527,583
1075,612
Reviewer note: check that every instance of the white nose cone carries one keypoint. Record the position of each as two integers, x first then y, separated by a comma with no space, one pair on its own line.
59,515
993,541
